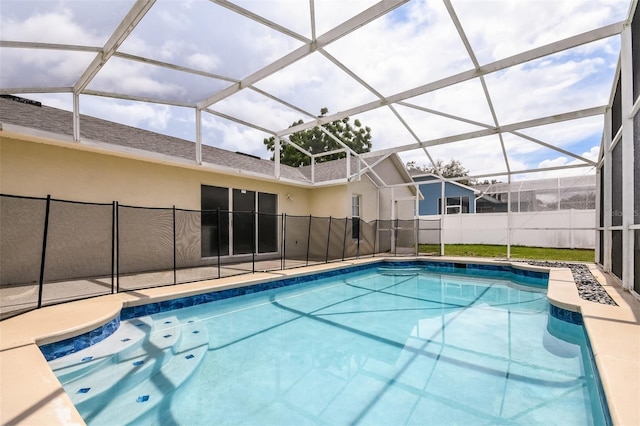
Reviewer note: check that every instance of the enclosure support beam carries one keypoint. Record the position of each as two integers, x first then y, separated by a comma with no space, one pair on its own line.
627,158
276,157
443,207
573,115
76,117
607,191
198,136
509,219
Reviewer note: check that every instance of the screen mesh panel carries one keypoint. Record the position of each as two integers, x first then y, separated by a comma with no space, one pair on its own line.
189,263
145,247
296,239
22,228
616,253
319,236
616,185
616,110
336,238
385,236
368,237
79,251
405,237
601,245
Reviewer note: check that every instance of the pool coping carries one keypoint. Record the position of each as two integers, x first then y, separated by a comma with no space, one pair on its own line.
34,395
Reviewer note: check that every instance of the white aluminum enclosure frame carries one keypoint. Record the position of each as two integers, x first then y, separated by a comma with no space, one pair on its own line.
628,142
316,42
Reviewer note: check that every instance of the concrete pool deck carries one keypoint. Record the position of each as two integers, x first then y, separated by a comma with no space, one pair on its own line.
31,394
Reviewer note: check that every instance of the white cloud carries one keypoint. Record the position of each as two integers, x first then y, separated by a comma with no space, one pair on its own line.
509,27
203,61
592,154
32,68
567,133
137,114
121,76
53,27
398,52
233,137
549,87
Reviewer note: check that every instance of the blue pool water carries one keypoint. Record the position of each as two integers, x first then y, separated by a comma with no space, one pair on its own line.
381,346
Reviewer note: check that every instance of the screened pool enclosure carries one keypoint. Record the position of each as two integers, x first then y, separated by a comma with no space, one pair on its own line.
516,91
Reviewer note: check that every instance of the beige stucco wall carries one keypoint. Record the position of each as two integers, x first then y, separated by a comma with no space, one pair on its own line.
332,201
37,169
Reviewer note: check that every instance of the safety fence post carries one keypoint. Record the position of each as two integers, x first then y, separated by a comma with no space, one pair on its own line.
44,250
308,240
174,246
395,245
326,257
254,215
117,247
218,237
359,232
113,247
375,238
344,241
283,242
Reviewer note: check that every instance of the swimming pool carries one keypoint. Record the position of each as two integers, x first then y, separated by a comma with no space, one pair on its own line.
392,343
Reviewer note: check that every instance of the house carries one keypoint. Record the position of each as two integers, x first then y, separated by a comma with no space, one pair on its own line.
137,168
459,198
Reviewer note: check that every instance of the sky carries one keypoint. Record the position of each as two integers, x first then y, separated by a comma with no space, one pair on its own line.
412,45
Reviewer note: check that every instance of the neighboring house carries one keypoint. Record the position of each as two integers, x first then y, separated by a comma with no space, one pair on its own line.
551,194
114,162
459,198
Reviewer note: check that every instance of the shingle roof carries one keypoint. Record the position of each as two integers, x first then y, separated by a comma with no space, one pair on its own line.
60,122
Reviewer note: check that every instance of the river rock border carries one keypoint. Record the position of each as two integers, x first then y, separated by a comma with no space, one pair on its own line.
588,287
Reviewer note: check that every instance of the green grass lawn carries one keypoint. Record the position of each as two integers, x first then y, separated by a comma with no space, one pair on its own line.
518,252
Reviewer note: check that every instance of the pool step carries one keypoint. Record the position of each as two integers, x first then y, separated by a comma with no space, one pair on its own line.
399,271
73,366
128,406
123,368
157,357
164,334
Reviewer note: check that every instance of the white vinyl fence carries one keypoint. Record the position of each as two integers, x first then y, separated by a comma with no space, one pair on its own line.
559,229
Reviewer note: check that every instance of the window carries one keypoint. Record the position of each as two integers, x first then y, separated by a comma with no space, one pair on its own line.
245,232
355,216
244,206
214,200
355,206
267,223
455,205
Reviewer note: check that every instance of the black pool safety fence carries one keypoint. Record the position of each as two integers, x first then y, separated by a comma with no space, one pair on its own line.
54,251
